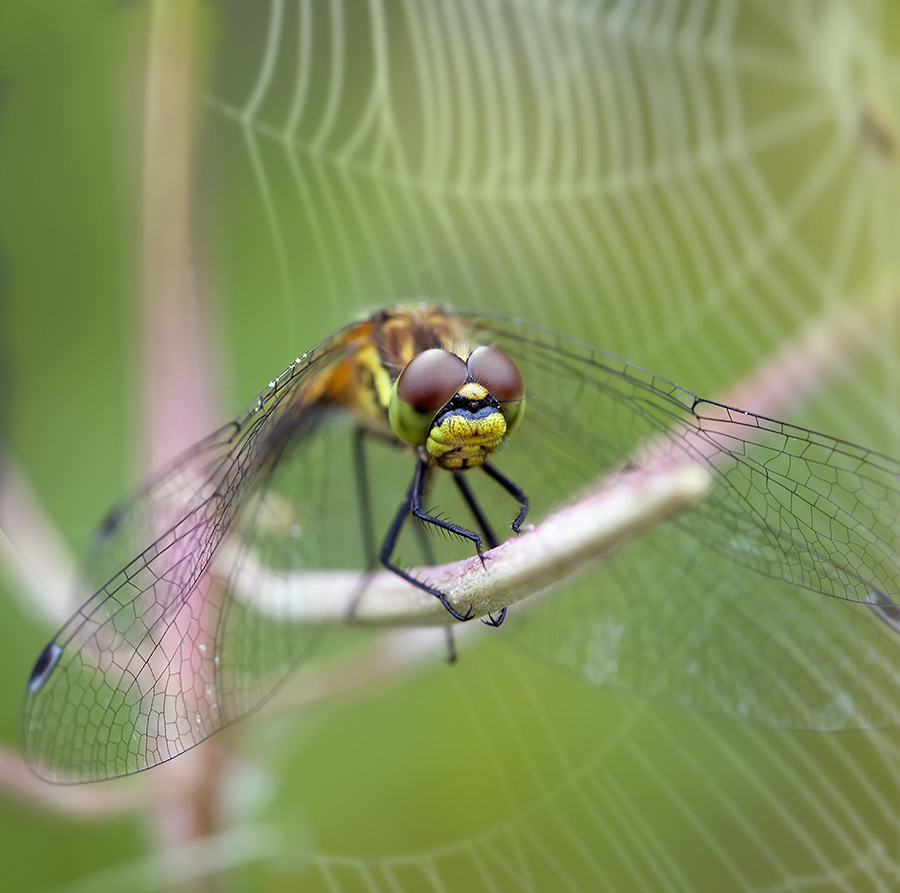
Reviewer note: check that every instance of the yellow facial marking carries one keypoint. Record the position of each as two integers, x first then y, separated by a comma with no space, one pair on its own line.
460,442
473,391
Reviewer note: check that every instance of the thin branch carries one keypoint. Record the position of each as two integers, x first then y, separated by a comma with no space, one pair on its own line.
561,546
177,389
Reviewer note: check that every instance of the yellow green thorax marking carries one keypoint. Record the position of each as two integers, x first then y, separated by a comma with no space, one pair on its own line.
381,379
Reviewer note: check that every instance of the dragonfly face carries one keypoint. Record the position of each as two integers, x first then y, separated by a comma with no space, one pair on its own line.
459,409
758,603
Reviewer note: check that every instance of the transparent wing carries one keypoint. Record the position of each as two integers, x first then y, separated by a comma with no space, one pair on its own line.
771,601
152,663
723,609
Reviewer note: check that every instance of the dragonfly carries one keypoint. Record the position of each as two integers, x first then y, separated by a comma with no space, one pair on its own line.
770,600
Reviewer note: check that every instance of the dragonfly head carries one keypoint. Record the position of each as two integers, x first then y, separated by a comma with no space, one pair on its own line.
460,410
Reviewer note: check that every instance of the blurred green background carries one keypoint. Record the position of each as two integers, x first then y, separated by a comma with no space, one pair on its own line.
688,185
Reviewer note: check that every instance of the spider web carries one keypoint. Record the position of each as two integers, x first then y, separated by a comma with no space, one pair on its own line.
688,184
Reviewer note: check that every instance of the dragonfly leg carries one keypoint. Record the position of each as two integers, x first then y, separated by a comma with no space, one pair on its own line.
416,492
482,522
412,504
475,508
364,494
513,489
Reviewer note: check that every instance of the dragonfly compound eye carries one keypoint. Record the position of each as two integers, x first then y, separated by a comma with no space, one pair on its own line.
425,386
495,371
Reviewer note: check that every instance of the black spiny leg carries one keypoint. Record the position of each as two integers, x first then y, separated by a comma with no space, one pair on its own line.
475,508
412,504
417,491
516,492
427,547
364,499
364,494
482,522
